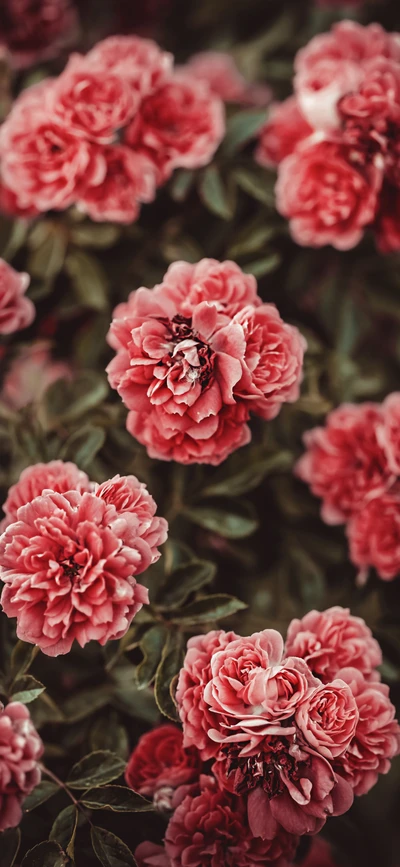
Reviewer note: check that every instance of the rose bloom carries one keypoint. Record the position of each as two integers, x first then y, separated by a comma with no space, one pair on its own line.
35,30
159,764
210,829
326,198
344,462
150,855
139,62
328,719
30,374
285,129
129,180
332,64
20,751
387,225
68,565
16,311
9,206
389,431
179,125
219,70
333,639
58,476
374,537
90,103
377,736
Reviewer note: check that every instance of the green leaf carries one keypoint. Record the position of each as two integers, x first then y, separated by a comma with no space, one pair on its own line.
242,127
264,266
68,401
308,578
26,689
85,703
119,799
184,581
248,477
235,520
47,854
251,240
151,645
208,608
258,184
89,280
47,259
180,184
9,846
110,850
108,733
22,658
96,769
167,671
215,194
97,236
45,790
83,445
64,829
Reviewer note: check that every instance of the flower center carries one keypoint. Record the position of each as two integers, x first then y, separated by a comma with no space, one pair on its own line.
264,769
70,568
189,352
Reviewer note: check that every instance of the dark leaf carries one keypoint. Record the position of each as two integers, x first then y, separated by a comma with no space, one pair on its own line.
260,185
180,185
263,266
251,240
168,669
151,645
96,236
96,769
26,689
9,846
89,280
68,401
248,477
110,850
242,127
83,445
22,658
119,799
235,520
45,790
185,580
208,608
47,259
47,854
215,194
64,829
108,733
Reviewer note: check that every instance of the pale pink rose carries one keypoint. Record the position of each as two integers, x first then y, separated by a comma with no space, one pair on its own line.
194,675
344,462
139,62
328,719
30,374
129,180
274,359
387,225
35,30
333,639
150,855
285,128
332,64
179,125
210,828
219,70
58,476
377,736
16,311
20,751
92,104
159,764
374,537
326,198
389,431
68,565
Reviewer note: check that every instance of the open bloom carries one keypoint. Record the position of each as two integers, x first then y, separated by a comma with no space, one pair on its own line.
20,751
59,476
159,764
68,564
139,62
129,180
16,311
328,718
374,537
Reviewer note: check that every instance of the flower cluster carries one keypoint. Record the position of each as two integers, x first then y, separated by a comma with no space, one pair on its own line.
34,30
20,751
336,141
353,464
198,353
105,133
292,733
16,311
70,551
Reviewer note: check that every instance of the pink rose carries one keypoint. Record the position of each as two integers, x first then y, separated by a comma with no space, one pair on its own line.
159,764
68,565
325,197
328,718
333,639
387,225
9,206
129,180
58,476
30,374
286,127
210,829
16,311
218,69
35,30
374,537
180,125
377,736
90,104
221,283
389,431
319,855
344,462
150,855
20,751
139,62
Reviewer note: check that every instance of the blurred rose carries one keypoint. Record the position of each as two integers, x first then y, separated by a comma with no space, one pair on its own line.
30,374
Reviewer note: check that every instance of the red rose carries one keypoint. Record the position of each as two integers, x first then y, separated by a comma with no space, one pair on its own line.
325,197
159,764
35,30
129,180
150,855
16,311
285,129
374,537
20,751
387,225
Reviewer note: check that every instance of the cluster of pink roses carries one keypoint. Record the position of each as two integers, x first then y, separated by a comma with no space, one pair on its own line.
198,353
353,464
336,141
293,732
69,553
20,751
105,133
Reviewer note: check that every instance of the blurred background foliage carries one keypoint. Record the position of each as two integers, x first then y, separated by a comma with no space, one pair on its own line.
246,540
